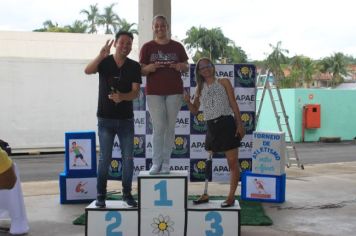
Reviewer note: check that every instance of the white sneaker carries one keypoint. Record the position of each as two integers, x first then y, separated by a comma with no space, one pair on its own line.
165,169
154,169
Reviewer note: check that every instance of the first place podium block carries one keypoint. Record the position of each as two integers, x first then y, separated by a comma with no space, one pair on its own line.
163,191
162,203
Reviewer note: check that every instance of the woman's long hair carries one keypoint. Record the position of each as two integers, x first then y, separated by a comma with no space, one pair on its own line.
198,78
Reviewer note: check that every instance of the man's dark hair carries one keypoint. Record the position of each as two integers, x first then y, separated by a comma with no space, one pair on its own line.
118,34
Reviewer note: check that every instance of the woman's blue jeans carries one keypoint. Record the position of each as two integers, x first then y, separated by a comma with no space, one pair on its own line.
107,129
163,111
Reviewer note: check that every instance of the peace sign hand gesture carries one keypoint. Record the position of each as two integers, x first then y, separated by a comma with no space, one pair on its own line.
105,50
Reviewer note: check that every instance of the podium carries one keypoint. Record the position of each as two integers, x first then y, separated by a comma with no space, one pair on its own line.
163,209
117,219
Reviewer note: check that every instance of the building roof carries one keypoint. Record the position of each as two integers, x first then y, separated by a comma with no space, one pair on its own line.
346,86
322,76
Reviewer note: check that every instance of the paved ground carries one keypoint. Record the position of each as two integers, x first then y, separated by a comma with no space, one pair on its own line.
320,200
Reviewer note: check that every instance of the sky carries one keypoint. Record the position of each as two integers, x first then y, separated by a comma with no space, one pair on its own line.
313,28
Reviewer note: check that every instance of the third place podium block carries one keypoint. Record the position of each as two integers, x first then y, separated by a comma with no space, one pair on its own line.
211,219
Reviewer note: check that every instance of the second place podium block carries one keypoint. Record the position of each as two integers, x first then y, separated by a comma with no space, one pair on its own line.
117,219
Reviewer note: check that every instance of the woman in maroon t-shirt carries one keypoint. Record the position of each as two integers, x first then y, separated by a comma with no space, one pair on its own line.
162,61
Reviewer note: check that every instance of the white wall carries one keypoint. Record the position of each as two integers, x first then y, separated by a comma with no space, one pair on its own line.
43,89
54,45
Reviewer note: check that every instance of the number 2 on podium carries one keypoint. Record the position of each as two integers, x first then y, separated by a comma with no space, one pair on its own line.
162,188
111,227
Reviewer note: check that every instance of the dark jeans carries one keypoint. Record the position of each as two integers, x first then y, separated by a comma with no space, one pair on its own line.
107,129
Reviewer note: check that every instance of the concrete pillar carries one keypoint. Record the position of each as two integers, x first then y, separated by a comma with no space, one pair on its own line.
147,9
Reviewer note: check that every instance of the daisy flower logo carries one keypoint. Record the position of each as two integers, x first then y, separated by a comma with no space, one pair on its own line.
199,123
115,164
245,117
245,70
199,170
179,141
200,117
115,168
162,225
245,165
201,165
136,141
245,75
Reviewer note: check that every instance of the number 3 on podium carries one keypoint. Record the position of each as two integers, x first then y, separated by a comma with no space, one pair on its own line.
215,225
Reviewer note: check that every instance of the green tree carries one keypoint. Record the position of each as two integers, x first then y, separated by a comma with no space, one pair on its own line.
213,44
336,65
92,17
77,27
126,26
235,54
49,26
297,66
308,71
350,59
193,39
290,81
303,69
110,20
46,25
275,60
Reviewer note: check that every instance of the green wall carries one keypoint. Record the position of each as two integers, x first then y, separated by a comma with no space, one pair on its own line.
337,108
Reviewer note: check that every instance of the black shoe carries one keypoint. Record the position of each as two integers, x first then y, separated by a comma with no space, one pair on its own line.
100,202
227,204
202,199
127,197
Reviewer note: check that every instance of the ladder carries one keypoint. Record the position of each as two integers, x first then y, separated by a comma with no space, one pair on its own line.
291,151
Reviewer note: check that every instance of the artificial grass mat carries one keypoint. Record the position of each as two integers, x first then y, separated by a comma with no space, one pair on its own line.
252,213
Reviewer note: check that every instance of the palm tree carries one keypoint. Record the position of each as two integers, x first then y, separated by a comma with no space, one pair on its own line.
49,26
309,70
126,26
297,65
275,60
215,41
297,62
92,17
235,54
77,27
109,19
193,39
336,65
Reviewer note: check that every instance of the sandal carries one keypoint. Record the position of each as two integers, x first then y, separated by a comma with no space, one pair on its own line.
227,204
202,199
